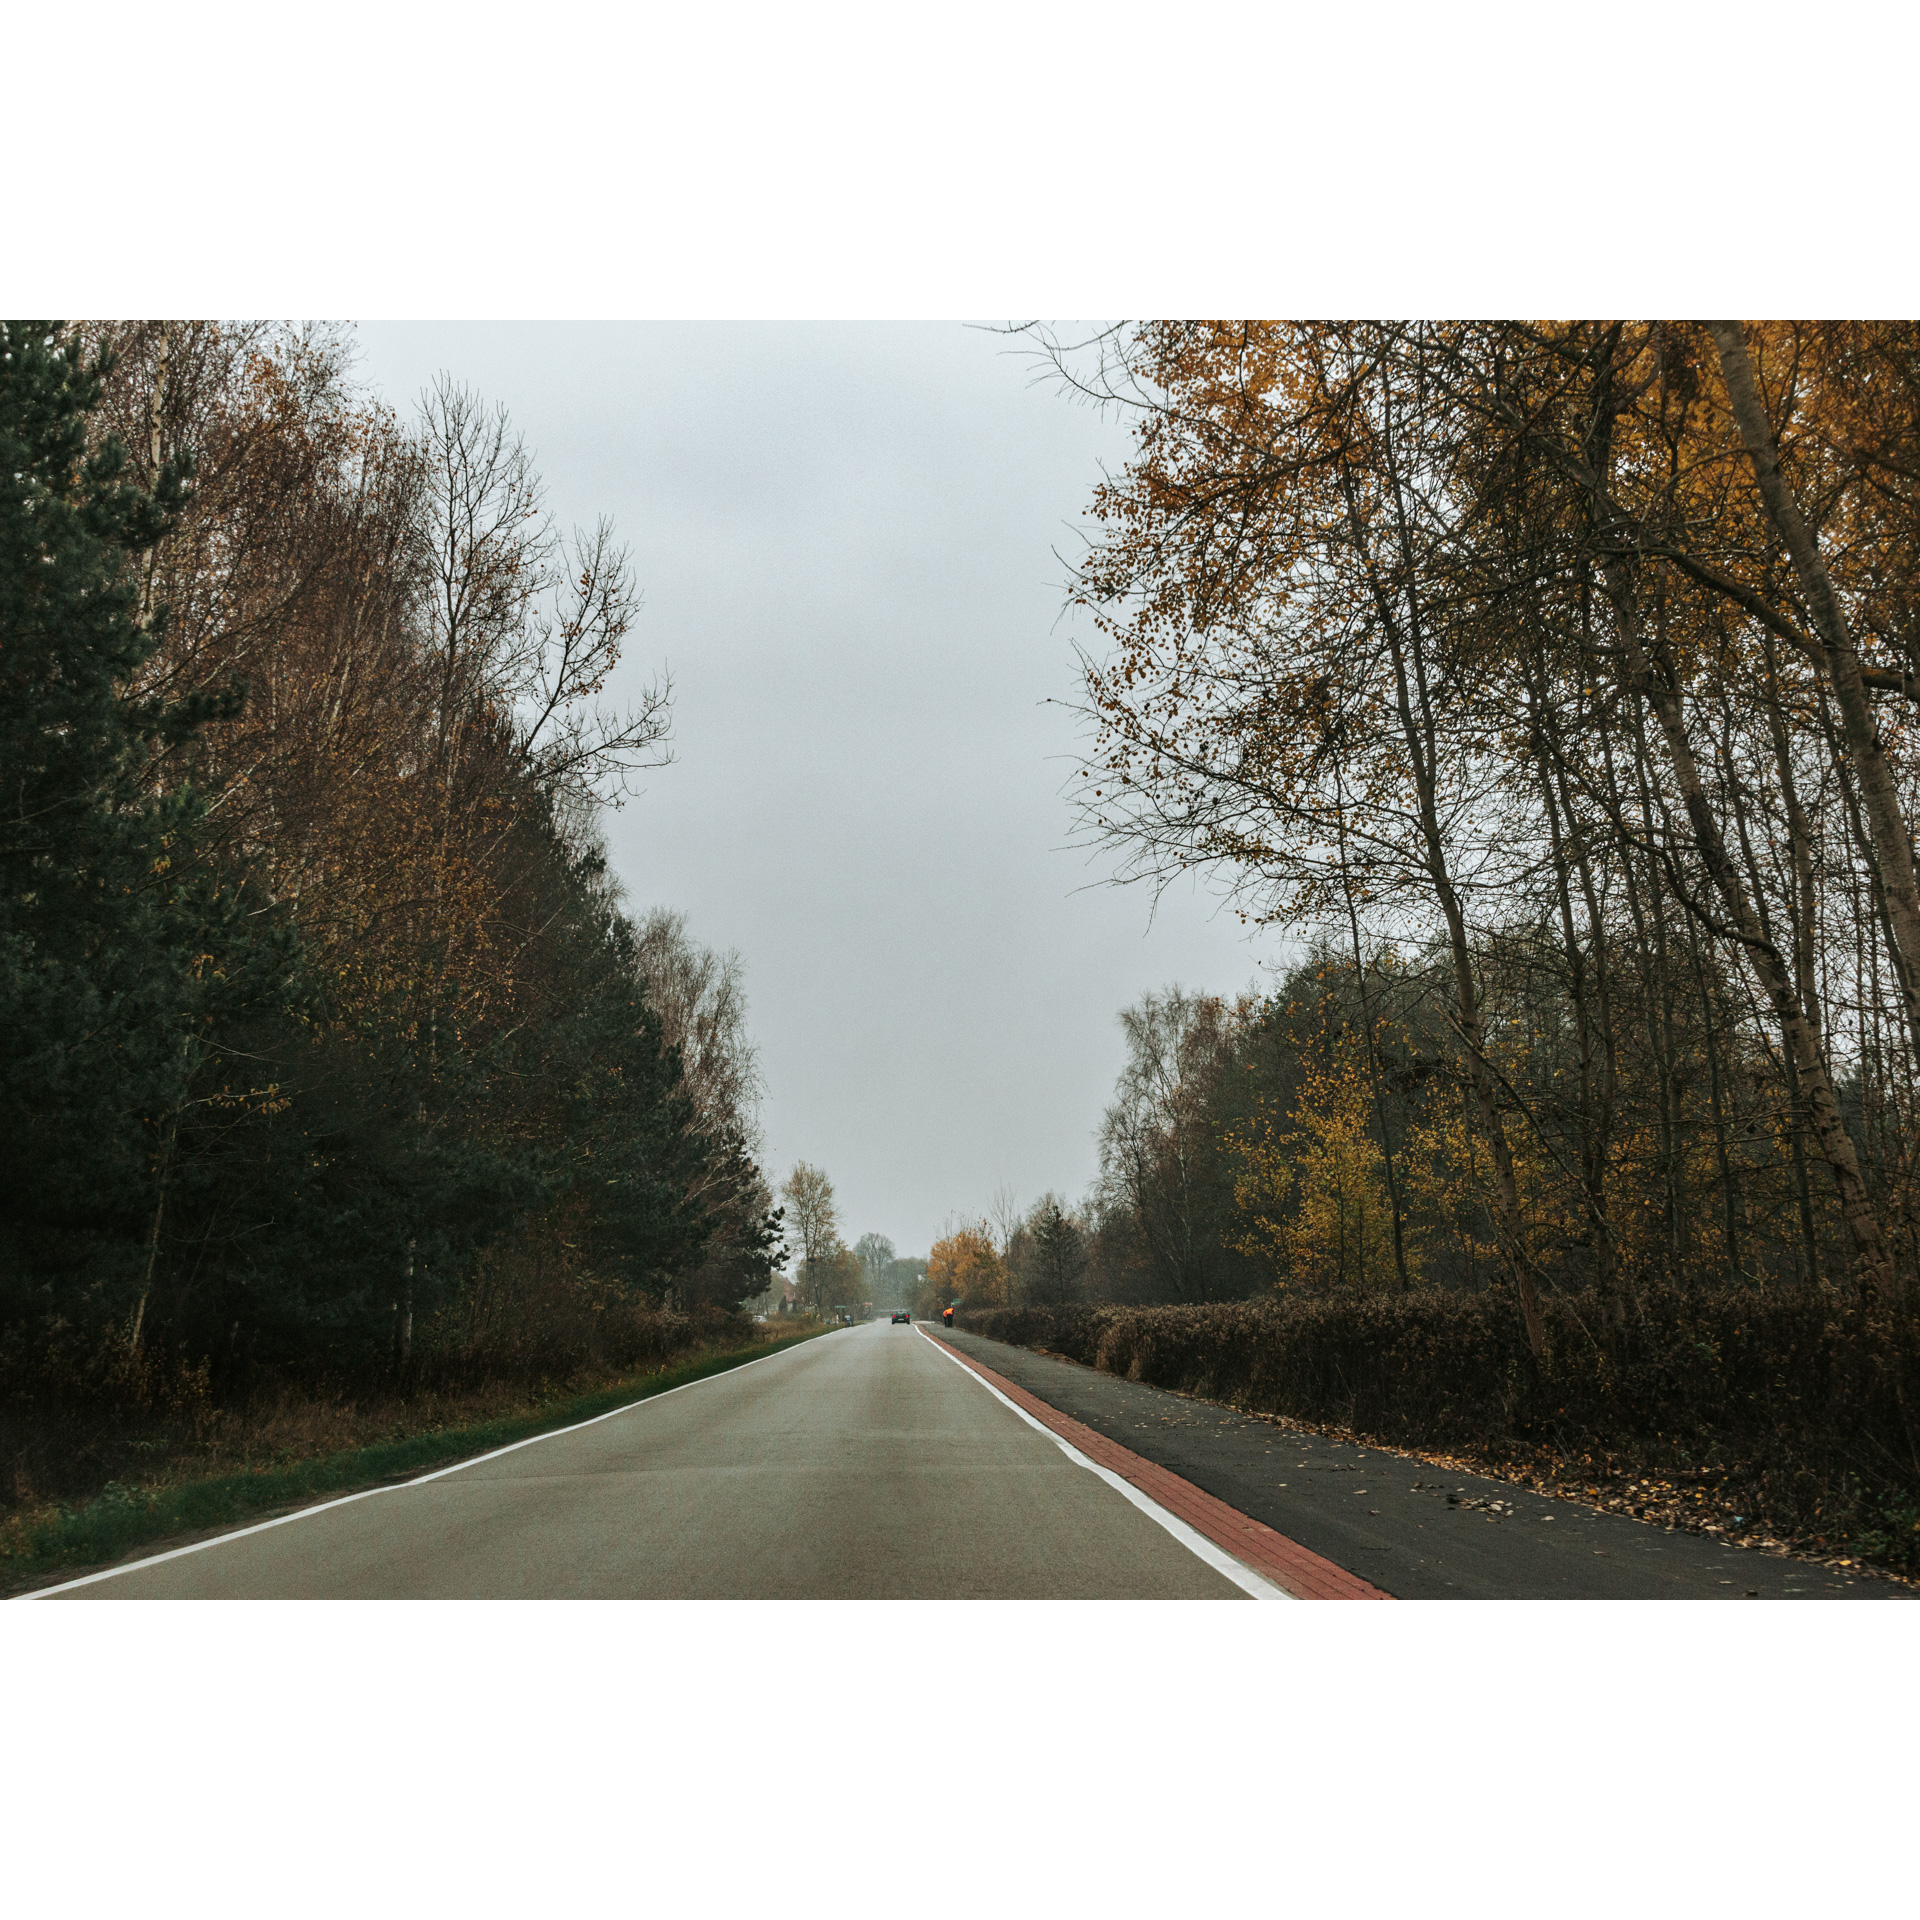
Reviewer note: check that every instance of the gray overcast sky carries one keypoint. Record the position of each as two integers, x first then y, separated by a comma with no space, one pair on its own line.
845,536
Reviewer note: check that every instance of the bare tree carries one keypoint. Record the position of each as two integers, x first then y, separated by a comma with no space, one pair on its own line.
1156,1140
701,998
523,618
876,1255
813,1219
566,730
1006,1215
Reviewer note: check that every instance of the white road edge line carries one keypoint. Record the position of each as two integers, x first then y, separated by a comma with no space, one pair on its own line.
1196,1543
399,1486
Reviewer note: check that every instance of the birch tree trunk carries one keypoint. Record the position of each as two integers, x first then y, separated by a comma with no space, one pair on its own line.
1872,1262
1892,844
1406,640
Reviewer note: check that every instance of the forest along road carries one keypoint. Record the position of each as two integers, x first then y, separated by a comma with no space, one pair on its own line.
864,1465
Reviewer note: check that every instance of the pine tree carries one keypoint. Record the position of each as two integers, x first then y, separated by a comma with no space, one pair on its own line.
93,979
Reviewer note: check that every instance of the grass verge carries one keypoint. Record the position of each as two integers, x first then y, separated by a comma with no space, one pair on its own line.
36,1547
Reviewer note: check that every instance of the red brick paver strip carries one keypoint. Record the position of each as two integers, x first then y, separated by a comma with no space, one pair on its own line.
1306,1576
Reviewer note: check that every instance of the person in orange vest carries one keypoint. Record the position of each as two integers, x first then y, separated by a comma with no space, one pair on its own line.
947,1316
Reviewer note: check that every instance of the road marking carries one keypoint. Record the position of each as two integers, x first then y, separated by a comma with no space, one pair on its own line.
399,1486
1196,1543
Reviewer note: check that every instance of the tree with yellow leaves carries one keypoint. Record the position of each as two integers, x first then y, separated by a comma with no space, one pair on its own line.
1582,660
965,1265
1313,1195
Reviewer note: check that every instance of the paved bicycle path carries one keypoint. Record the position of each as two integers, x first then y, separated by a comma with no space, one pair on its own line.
1386,1516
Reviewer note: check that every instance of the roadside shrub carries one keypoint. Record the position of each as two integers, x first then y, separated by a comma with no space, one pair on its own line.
1799,1405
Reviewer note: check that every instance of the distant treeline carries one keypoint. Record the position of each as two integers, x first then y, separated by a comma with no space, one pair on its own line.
828,1274
328,1049
1321,1137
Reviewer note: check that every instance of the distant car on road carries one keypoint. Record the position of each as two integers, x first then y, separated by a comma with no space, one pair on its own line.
903,1319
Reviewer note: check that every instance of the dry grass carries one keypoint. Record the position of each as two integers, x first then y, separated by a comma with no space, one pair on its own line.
160,1429
279,1453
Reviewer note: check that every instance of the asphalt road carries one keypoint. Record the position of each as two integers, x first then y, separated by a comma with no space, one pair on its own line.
1415,1531
866,1464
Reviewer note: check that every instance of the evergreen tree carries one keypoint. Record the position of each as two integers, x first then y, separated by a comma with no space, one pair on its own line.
95,984
275,1129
